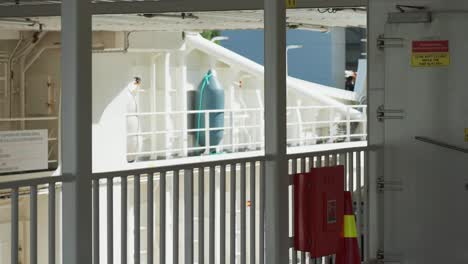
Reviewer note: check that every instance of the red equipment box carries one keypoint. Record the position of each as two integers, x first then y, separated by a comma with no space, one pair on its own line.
319,210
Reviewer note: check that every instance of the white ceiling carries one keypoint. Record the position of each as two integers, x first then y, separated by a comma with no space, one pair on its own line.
314,19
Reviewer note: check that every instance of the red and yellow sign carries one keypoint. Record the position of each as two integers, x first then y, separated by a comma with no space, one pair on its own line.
433,53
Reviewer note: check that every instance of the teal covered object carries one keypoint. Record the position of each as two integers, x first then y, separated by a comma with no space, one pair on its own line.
209,96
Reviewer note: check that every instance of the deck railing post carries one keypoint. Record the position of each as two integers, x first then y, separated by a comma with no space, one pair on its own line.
231,119
76,127
348,124
207,133
276,196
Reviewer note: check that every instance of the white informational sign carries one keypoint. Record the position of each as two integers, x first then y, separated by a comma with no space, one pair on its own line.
25,150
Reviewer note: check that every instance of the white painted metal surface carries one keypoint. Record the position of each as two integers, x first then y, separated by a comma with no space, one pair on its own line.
425,209
310,19
316,112
302,18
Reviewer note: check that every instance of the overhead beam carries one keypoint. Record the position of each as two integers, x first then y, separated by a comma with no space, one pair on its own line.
103,8
207,5
30,10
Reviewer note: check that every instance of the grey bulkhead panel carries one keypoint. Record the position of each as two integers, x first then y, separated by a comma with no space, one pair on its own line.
426,222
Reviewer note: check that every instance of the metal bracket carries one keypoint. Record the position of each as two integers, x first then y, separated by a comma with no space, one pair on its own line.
382,257
384,42
384,114
291,180
389,185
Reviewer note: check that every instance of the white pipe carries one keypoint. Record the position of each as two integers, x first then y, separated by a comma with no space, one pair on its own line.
154,101
10,59
220,38
184,91
22,54
22,91
50,96
5,79
38,55
57,46
168,101
10,68
288,48
28,48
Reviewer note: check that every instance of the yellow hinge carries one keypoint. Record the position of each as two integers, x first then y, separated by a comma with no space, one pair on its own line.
291,3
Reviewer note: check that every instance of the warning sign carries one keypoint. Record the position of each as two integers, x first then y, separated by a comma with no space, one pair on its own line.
466,134
434,53
291,3
23,150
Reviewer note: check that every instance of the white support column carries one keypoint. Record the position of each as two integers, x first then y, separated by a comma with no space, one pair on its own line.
168,97
276,211
76,128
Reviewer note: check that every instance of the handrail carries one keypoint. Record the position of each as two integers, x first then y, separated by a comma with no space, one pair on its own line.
303,126
319,107
193,112
21,119
332,151
195,164
34,182
441,144
229,160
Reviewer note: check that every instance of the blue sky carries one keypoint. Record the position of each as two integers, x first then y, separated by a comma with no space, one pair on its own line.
312,63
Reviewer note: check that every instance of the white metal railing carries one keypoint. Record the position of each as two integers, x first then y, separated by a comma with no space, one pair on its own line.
177,211
342,123
13,196
19,123
234,190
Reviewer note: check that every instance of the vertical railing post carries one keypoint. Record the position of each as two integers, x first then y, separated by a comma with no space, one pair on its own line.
188,215
276,196
52,222
231,119
150,219
365,124
137,219
124,220
77,130
348,124
331,125
301,126
96,217
207,133
14,226
33,226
